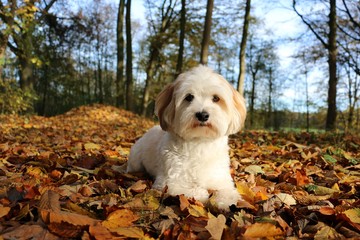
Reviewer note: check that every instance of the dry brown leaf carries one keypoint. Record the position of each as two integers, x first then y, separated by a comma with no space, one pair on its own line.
139,186
49,217
30,232
216,226
184,202
50,201
66,230
98,231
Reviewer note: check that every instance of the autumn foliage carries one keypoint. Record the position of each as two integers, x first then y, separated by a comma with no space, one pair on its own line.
63,177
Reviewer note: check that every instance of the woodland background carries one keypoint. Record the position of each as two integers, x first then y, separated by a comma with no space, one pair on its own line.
60,54
62,171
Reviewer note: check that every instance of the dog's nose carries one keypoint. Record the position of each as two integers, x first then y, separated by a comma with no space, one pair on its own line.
202,116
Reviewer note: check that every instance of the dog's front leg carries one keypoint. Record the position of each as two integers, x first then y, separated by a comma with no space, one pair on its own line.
189,190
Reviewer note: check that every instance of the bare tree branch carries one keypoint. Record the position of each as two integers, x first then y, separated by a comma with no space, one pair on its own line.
308,24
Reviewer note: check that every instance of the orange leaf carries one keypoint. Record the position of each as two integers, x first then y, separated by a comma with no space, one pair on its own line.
301,178
4,211
327,211
120,218
262,230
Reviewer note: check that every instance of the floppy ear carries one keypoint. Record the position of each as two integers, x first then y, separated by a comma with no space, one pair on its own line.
165,106
238,112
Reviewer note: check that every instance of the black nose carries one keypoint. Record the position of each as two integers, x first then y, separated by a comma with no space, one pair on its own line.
202,116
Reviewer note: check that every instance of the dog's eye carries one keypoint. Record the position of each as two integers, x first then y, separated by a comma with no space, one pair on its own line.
215,98
189,97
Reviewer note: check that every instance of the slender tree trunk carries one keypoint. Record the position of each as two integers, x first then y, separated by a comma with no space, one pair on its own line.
206,34
242,72
269,122
179,63
252,99
150,72
120,54
100,81
331,113
129,76
307,101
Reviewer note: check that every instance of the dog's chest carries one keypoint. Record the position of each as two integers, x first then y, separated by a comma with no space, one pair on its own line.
192,159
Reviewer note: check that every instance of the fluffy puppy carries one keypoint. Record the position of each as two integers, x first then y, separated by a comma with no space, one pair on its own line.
189,151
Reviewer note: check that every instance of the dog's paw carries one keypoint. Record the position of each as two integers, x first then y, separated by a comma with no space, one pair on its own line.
226,198
200,194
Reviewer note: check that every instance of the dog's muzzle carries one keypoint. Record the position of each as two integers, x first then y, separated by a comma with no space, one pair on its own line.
202,116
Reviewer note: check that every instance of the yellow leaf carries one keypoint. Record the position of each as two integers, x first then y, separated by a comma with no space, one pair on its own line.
92,146
353,215
120,218
197,211
131,232
246,193
327,232
262,230
286,198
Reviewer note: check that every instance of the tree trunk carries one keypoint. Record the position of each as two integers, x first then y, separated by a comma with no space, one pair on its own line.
242,72
332,51
8,19
150,72
331,47
179,63
206,34
252,99
25,56
120,54
26,74
269,122
129,76
100,82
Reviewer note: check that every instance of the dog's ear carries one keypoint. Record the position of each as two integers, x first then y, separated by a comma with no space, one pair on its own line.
165,106
238,114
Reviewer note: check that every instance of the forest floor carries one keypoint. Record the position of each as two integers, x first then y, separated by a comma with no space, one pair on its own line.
63,177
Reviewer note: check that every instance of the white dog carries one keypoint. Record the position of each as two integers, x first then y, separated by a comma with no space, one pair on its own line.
189,152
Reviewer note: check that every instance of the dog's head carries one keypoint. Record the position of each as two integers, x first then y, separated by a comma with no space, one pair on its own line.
200,104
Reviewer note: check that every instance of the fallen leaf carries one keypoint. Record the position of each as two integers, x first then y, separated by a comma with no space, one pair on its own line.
327,232
216,226
66,230
4,211
92,146
262,230
254,169
31,232
246,193
139,186
327,210
197,211
286,198
120,218
353,214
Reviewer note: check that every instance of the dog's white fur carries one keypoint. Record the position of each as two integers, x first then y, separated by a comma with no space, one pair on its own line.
185,154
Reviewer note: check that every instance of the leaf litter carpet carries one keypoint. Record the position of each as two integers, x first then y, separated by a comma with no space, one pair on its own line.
63,177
